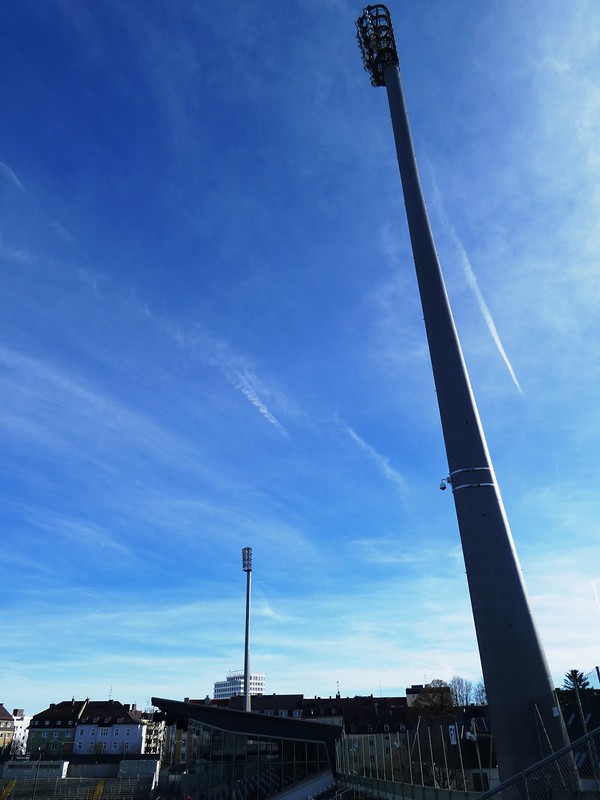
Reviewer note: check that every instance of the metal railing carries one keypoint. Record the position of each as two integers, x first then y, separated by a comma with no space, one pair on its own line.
76,788
551,779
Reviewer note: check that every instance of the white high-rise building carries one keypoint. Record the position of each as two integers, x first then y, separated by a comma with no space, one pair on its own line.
234,685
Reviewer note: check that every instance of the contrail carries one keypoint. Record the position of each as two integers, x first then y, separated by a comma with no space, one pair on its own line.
472,281
216,353
381,461
595,593
242,382
12,176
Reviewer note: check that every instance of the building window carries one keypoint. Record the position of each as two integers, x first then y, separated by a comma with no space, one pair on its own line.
126,747
115,746
103,731
56,735
93,732
68,734
44,734
81,731
127,732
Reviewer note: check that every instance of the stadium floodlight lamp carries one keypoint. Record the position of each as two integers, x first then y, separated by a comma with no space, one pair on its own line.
247,559
376,41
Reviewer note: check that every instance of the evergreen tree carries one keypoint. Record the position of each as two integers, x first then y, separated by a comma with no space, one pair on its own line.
575,681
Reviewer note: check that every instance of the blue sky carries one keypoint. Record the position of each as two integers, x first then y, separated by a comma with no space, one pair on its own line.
211,338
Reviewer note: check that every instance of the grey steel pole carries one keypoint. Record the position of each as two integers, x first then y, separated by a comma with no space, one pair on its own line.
517,679
247,567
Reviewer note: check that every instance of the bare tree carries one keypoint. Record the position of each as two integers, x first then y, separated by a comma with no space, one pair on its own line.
462,691
480,693
434,698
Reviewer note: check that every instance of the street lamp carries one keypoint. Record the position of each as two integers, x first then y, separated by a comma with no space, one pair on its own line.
37,772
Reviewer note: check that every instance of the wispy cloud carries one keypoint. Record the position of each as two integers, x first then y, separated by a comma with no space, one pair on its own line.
12,176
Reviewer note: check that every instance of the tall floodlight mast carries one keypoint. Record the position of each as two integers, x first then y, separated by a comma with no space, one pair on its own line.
526,718
247,568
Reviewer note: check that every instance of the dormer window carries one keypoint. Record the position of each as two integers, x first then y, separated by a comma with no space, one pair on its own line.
58,722
119,719
106,719
47,722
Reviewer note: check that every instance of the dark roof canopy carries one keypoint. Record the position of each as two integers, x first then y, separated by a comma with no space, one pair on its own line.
249,724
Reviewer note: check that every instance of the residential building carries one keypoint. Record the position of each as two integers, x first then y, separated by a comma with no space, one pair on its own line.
82,727
234,685
271,705
52,732
6,732
21,723
107,726
155,735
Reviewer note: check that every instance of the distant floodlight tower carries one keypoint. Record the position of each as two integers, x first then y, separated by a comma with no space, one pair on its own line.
526,719
247,568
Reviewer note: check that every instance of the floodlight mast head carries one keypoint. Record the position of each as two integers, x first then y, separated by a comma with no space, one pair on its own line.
247,559
376,41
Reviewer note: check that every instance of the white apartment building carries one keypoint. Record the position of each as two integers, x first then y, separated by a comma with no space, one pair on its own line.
21,722
234,685
109,727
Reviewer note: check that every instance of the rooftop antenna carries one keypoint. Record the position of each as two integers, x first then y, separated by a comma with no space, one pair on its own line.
517,678
247,568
